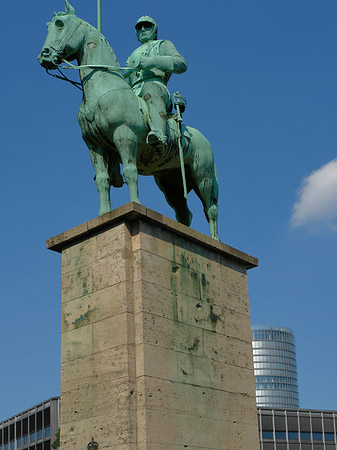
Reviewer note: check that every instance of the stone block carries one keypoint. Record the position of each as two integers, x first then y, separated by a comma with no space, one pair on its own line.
156,362
98,368
162,427
153,239
161,394
113,332
169,334
227,349
76,343
154,299
111,270
241,380
237,325
203,431
98,305
79,255
77,283
202,314
201,371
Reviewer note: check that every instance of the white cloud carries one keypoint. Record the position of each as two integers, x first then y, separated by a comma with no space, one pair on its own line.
317,198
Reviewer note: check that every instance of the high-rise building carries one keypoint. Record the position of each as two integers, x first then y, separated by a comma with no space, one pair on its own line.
33,429
275,371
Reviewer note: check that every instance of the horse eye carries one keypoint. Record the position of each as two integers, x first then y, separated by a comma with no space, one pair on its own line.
59,23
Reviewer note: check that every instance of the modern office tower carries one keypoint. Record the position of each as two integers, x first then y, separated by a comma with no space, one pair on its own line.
297,429
33,429
275,367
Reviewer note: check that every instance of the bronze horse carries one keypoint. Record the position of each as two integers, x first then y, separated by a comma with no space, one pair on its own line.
114,125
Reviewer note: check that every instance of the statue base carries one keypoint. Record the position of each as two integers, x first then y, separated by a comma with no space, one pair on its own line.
156,337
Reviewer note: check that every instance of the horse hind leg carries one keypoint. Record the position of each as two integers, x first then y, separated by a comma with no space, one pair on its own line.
172,187
102,178
206,188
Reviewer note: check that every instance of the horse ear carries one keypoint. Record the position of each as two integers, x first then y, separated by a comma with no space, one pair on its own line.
69,8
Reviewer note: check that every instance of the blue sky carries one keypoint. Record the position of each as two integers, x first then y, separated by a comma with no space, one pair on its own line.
261,84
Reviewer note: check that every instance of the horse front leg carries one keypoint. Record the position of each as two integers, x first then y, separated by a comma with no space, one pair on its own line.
126,144
100,162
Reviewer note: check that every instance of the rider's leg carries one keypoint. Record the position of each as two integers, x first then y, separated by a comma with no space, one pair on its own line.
156,99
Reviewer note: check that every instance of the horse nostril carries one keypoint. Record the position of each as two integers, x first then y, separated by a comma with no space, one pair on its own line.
45,52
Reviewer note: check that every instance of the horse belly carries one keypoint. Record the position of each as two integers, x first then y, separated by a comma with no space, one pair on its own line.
151,160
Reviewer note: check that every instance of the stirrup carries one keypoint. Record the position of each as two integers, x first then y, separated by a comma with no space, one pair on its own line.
157,139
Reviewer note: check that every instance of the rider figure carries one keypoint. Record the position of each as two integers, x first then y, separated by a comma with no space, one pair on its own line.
156,60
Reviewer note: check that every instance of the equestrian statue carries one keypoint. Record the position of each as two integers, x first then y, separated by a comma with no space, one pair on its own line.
126,118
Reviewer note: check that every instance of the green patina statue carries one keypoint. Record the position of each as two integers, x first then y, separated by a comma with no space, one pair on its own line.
156,61
129,122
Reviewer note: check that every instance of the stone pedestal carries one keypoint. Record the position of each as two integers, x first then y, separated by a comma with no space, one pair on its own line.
156,337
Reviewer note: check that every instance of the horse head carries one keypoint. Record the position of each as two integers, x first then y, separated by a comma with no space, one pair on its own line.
63,42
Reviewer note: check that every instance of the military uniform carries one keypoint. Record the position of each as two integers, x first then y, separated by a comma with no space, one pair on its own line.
150,83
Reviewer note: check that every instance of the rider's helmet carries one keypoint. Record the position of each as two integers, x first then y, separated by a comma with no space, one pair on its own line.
148,19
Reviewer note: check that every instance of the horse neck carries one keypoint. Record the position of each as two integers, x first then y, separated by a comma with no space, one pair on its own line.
96,50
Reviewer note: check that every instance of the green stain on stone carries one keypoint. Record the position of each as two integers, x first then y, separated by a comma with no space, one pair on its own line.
79,321
195,344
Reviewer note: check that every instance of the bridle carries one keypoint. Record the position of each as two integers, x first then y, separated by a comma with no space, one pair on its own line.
70,33
59,52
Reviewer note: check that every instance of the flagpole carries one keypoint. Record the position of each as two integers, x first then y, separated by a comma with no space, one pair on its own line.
99,16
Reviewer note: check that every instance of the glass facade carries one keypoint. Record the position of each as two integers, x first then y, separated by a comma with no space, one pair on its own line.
33,429
297,429
275,370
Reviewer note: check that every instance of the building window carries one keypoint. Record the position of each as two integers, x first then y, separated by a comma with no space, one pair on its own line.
317,436
18,442
293,435
328,437
47,431
39,434
267,434
32,437
280,434
12,445
305,436
25,439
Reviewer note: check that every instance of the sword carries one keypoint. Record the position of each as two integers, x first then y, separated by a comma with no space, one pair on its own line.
180,105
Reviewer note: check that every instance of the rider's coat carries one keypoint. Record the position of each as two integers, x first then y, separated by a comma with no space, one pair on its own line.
150,84
167,59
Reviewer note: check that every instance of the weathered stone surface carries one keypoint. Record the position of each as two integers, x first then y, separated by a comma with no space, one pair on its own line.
156,344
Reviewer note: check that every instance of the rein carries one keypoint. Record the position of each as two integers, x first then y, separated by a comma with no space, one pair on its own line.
77,84
99,66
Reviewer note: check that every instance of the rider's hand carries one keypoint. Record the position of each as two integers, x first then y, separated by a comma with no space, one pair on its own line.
147,62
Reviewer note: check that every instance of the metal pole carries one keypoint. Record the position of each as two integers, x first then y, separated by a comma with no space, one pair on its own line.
99,16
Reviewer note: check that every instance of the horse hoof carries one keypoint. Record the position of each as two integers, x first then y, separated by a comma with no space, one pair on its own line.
103,211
